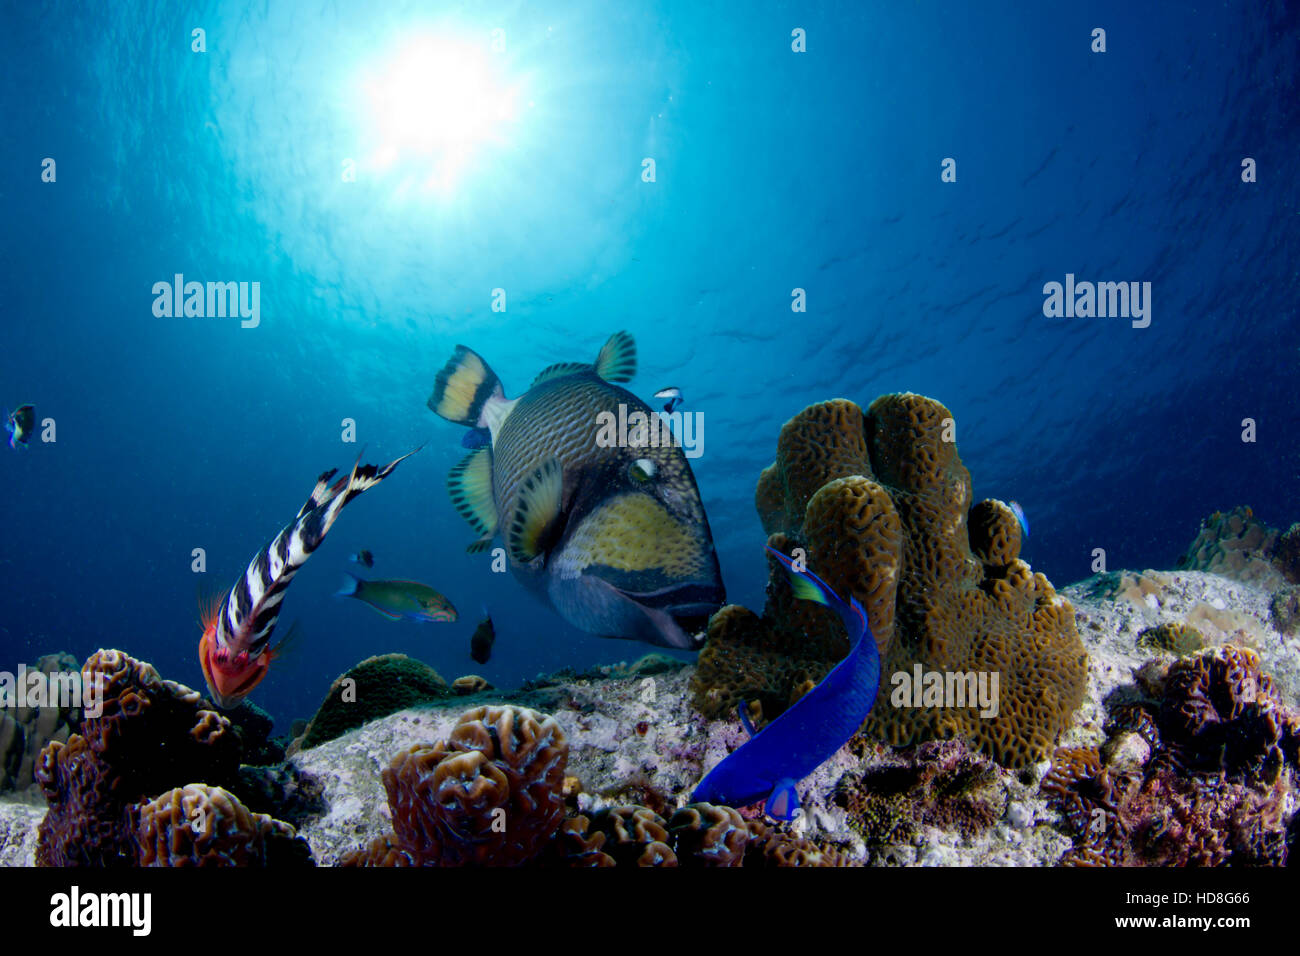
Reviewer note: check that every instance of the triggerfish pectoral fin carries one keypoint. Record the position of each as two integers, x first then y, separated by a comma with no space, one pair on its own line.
783,804
814,727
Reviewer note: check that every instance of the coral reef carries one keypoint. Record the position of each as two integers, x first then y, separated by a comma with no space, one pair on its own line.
938,784
770,847
470,684
879,503
1217,763
1235,545
374,688
200,825
1284,610
634,836
708,835
490,794
1286,555
151,735
1174,637
24,731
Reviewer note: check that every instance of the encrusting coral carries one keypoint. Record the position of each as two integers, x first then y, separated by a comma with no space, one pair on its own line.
879,504
149,735
374,688
1215,788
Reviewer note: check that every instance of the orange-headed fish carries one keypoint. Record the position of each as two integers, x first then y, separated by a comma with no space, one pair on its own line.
235,648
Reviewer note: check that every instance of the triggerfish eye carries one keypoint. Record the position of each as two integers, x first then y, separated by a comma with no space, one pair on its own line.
641,470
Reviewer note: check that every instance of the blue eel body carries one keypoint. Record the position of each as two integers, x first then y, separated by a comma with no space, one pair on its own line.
771,762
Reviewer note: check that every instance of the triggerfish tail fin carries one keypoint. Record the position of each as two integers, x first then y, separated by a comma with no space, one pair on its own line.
783,804
464,388
351,584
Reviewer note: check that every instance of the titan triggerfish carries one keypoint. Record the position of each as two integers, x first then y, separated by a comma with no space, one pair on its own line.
612,533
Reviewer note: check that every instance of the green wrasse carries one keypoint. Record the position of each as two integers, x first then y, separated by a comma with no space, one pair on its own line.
399,600
611,533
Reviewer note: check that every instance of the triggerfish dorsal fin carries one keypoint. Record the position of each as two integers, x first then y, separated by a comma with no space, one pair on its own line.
463,389
783,804
617,359
537,512
470,485
560,370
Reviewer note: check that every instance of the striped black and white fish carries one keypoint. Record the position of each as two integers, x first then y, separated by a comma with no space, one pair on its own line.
235,650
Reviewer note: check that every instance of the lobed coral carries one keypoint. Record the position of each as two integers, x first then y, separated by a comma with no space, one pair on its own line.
492,793
374,688
200,825
149,734
879,502
634,836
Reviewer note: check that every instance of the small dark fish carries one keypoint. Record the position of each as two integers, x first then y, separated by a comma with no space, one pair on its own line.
480,645
476,438
19,424
364,558
672,396
399,600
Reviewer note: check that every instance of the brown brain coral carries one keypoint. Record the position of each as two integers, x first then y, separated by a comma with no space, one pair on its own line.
709,835
491,794
880,502
199,825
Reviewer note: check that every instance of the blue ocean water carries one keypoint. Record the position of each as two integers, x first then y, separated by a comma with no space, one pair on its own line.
774,170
